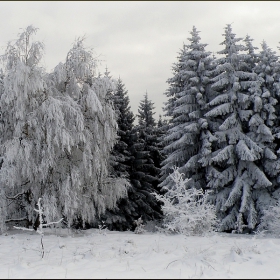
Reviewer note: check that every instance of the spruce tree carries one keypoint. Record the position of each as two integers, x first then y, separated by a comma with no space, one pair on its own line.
144,174
252,58
267,69
265,122
185,142
123,216
147,131
235,174
135,151
125,119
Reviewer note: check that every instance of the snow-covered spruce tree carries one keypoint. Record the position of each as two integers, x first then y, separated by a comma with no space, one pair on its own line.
162,124
186,210
188,140
252,59
263,124
176,85
267,69
236,172
276,78
58,134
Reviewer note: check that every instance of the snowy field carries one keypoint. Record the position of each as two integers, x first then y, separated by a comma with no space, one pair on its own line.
103,254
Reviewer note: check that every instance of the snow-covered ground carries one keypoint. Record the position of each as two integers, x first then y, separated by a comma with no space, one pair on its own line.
103,254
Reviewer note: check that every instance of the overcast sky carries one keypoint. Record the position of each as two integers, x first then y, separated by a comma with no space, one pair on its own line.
138,40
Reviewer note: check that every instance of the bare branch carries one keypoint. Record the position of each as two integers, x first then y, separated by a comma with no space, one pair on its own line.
15,196
48,224
19,194
23,228
16,220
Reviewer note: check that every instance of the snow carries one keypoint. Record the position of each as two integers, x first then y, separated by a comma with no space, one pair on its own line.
104,254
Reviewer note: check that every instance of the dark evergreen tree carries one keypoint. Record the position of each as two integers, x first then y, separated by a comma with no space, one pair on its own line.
161,130
145,174
125,119
132,159
147,132
123,216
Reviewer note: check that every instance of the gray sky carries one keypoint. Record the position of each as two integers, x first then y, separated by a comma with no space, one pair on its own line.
138,40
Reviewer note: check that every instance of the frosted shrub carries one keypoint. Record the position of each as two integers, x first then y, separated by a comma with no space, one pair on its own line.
271,219
185,210
102,228
139,226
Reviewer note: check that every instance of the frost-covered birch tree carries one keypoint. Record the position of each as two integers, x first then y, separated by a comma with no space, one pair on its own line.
24,91
87,166
59,130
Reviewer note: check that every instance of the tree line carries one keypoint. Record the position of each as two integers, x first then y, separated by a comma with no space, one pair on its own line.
69,137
